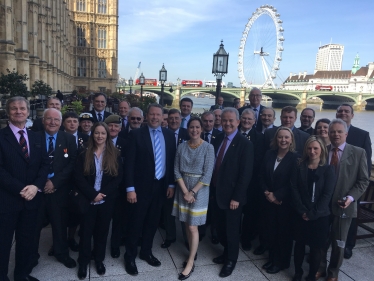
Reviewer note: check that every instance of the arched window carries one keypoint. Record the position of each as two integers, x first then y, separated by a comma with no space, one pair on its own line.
81,5
101,68
101,38
102,6
81,67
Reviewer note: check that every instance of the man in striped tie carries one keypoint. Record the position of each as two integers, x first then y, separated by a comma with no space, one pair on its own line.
149,180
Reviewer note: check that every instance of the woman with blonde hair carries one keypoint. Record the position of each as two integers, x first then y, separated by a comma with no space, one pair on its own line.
311,197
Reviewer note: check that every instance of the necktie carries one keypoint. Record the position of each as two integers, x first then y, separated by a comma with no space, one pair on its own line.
100,117
23,144
158,159
206,137
176,138
219,161
51,153
183,122
244,134
124,123
334,158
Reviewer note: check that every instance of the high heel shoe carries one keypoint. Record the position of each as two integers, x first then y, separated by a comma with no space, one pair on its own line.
181,276
185,262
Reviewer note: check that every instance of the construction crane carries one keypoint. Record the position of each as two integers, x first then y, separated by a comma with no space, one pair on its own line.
137,71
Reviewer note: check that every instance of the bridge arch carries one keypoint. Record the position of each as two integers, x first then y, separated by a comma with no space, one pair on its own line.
331,100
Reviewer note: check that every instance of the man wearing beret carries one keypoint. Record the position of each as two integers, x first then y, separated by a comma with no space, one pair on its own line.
86,121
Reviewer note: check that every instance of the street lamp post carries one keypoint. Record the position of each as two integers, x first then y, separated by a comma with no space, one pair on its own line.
220,64
130,84
178,80
162,78
141,83
124,86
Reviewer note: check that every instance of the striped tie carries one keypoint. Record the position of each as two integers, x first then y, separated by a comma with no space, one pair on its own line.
23,144
51,153
158,158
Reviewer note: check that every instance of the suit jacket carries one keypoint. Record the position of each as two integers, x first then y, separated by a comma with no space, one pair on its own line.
124,133
121,145
258,145
106,114
37,125
324,188
182,136
215,133
300,139
16,172
258,124
216,106
280,180
310,131
235,171
86,183
140,169
352,179
361,138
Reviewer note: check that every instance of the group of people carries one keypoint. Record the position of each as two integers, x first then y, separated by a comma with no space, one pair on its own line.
231,169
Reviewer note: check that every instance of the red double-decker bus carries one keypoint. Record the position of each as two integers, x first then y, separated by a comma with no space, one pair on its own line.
148,82
192,83
323,88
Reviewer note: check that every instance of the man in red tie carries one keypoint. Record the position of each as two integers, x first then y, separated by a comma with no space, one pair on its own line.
230,180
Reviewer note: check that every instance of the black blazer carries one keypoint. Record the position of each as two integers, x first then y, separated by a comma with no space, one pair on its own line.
300,139
279,181
182,135
106,114
121,146
16,172
324,188
140,164
258,145
235,171
37,125
216,106
86,183
215,133
360,138
310,131
258,124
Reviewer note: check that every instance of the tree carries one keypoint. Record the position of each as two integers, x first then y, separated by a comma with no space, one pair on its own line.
12,84
141,102
41,88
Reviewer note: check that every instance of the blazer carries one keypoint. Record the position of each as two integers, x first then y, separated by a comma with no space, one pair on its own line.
361,138
182,135
352,179
258,124
216,106
324,188
86,183
235,171
106,114
300,139
258,144
280,180
37,125
310,131
140,163
215,133
16,172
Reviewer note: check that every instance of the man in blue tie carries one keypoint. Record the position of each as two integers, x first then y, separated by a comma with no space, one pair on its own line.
149,180
185,106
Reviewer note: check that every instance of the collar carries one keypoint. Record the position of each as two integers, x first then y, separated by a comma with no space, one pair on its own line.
176,132
230,137
258,108
48,135
114,140
341,147
15,129
101,112
158,129
246,132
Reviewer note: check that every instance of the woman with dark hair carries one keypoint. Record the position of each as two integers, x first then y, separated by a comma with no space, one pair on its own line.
277,174
311,197
193,168
98,173
322,130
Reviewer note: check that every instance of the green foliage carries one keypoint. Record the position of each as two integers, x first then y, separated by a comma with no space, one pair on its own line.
142,103
41,88
75,106
12,84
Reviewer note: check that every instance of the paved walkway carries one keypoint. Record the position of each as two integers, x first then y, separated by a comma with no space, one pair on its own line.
359,267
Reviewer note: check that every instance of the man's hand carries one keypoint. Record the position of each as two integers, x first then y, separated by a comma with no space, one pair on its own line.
270,196
234,204
49,187
29,192
170,192
305,217
99,197
348,201
131,197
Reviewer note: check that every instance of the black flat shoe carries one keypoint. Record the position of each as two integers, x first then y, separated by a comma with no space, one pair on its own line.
131,268
267,265
260,250
227,269
167,243
115,253
185,263
219,260
181,276
298,277
68,262
347,253
150,259
73,245
100,268
82,272
273,269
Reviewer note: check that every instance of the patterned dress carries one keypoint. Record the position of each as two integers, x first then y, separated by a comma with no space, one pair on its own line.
193,166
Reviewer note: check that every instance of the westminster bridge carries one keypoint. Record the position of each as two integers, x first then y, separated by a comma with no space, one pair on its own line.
280,98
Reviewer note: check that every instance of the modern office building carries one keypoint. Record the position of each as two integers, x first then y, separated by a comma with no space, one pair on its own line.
329,57
69,44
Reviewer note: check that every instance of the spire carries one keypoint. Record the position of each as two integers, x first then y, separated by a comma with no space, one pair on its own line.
356,65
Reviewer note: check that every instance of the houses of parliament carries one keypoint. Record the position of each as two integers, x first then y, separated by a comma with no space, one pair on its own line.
69,44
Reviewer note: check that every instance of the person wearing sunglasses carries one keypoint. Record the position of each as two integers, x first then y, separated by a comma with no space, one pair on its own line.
135,119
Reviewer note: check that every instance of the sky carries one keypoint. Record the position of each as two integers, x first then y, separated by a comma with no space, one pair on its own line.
184,35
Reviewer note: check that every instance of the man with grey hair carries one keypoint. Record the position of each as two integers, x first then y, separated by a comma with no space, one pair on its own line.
23,172
52,102
209,132
230,180
351,182
255,97
135,120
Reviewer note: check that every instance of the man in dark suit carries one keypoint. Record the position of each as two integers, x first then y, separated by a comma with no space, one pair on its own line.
185,105
23,172
267,116
306,119
123,111
62,151
99,103
209,133
359,138
251,218
255,97
217,119
181,135
149,180
114,123
53,102
288,118
135,118
219,105
230,180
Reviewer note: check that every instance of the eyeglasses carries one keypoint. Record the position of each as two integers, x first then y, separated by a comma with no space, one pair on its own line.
50,119
136,118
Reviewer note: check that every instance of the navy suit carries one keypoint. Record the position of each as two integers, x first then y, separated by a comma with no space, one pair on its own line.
106,114
16,214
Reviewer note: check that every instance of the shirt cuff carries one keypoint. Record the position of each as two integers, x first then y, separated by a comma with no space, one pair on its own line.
130,189
171,185
350,197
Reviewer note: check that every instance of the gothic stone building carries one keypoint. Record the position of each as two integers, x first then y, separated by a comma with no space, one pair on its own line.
69,44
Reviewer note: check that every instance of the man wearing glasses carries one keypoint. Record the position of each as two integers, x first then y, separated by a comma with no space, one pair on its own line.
98,112
135,119
306,120
255,97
